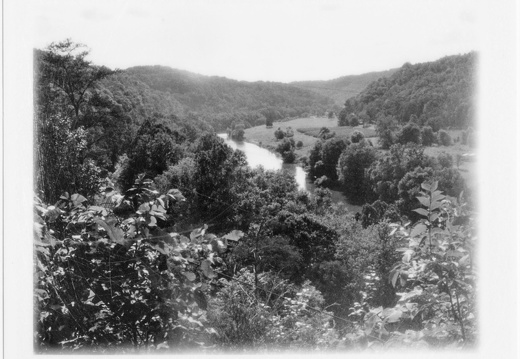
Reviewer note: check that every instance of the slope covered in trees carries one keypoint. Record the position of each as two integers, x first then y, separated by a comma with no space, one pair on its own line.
438,94
216,99
343,87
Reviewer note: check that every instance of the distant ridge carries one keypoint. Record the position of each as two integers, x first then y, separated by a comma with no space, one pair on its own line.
344,87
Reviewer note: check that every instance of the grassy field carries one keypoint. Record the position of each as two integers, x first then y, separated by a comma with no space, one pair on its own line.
343,131
264,137
305,130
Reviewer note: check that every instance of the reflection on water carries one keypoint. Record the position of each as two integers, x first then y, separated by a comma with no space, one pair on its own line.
258,156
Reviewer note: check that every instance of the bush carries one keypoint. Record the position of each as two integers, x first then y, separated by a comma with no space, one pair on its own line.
299,144
427,136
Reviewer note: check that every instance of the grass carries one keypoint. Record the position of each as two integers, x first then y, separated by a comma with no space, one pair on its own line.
305,130
263,136
343,131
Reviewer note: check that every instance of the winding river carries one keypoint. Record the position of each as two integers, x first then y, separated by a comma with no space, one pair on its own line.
258,156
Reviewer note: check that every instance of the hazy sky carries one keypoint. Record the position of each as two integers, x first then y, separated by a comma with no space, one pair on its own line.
279,40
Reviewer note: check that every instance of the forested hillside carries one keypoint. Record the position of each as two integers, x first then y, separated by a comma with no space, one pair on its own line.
216,99
151,235
438,94
343,87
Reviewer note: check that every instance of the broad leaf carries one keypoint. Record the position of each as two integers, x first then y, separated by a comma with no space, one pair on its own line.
426,186
190,275
77,199
234,235
176,195
421,211
419,228
205,266
425,201
393,277
115,234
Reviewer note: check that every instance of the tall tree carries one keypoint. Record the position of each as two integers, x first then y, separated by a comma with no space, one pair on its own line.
64,87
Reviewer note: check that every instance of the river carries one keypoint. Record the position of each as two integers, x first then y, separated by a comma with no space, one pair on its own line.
258,156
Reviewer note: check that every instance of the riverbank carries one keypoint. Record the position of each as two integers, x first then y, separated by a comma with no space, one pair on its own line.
261,156
264,137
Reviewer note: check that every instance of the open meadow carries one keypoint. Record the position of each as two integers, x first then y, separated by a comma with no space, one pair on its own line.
264,136
306,130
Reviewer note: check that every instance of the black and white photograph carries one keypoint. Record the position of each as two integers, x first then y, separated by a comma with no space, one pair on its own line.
286,177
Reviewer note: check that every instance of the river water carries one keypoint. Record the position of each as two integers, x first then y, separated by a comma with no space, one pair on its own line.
258,156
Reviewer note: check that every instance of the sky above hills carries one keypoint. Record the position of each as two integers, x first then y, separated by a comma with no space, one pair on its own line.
283,40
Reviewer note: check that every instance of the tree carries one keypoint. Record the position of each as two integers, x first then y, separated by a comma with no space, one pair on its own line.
68,70
444,138
286,150
324,156
238,132
218,169
387,171
409,133
357,136
445,160
152,151
427,136
385,129
352,171
279,134
65,90
353,120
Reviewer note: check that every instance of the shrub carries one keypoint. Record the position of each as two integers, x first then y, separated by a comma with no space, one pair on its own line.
105,277
299,144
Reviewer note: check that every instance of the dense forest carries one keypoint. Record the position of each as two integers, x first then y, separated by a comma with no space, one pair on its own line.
343,87
217,100
152,235
437,94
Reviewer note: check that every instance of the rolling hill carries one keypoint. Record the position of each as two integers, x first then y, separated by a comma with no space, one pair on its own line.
438,94
344,87
216,99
